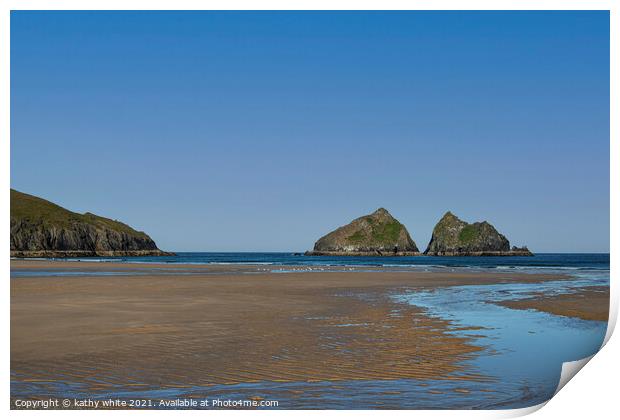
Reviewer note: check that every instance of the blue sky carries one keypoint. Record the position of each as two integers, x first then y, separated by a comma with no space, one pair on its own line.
262,131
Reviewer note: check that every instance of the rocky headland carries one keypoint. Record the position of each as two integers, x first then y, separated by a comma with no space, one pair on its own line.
454,237
40,228
376,234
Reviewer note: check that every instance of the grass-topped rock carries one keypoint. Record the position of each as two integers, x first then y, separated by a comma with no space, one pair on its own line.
454,237
40,228
375,234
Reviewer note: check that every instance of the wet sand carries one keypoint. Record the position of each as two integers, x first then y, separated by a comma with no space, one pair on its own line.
588,303
182,326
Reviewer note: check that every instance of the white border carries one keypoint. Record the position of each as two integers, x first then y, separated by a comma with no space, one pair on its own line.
592,394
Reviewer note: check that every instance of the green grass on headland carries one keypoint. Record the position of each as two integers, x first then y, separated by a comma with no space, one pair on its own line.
26,207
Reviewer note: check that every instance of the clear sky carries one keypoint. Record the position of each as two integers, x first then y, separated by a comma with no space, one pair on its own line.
262,131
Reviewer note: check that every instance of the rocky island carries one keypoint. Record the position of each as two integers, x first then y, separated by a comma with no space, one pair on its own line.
454,237
40,228
374,234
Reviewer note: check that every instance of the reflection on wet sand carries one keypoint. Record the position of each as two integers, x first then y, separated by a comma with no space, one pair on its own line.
588,303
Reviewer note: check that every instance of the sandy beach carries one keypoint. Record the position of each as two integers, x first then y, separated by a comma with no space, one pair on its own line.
170,329
161,326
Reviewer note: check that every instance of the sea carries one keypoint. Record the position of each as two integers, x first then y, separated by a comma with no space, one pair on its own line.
536,263
523,350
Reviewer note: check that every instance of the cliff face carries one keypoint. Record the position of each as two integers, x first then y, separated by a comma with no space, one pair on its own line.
453,237
40,228
375,234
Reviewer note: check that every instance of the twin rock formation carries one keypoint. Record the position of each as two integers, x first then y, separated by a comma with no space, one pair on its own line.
381,234
40,228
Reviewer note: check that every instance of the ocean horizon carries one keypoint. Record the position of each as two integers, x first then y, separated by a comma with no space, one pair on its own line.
557,261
